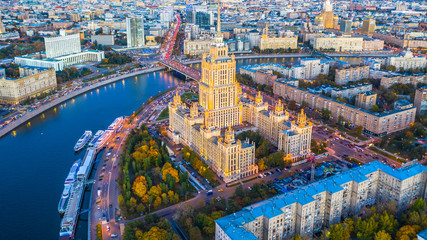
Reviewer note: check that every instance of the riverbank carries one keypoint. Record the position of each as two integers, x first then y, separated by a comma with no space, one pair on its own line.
10,127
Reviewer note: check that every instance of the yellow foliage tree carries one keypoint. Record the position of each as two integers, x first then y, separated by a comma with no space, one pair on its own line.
155,233
261,165
139,186
157,202
155,191
168,169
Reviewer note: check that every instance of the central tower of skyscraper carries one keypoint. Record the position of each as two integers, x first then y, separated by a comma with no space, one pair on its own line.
218,89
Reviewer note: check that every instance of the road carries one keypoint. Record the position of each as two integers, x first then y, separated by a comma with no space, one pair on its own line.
104,207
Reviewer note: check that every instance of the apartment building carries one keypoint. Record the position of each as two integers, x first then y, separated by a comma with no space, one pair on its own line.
375,123
407,61
351,91
197,47
309,209
420,100
366,100
339,44
387,82
308,68
373,45
350,74
286,42
292,137
32,82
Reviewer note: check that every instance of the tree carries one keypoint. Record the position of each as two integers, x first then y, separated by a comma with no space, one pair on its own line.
382,235
293,105
338,232
261,165
139,186
157,202
366,229
195,233
407,232
388,223
375,108
418,206
326,114
165,198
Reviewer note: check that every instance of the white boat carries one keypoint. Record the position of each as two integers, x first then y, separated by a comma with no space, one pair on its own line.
102,140
95,138
83,140
71,178
116,125
62,206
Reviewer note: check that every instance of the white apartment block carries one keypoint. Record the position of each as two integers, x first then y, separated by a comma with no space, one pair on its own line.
339,44
311,208
351,91
407,61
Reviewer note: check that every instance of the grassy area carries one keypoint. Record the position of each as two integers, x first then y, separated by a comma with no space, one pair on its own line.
354,160
164,114
189,95
234,184
386,154
248,180
348,132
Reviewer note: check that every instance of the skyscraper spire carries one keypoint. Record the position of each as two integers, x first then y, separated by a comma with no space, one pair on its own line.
218,24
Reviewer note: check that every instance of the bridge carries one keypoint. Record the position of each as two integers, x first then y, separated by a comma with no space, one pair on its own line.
166,53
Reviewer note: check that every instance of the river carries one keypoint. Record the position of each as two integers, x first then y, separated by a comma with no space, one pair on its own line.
37,159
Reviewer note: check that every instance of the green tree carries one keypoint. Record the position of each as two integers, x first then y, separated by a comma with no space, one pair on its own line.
338,232
382,235
375,108
326,114
195,233
365,230
387,223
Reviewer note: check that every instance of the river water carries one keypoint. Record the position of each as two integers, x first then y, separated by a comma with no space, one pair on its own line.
35,162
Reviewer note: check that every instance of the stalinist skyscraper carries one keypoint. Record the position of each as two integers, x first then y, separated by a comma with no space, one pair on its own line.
218,89
219,107
326,18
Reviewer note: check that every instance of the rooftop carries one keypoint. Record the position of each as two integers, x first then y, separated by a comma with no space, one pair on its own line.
233,224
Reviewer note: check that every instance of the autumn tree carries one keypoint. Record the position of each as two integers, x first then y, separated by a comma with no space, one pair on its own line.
139,186
382,235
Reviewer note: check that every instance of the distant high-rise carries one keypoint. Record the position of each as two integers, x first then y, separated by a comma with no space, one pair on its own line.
204,19
135,32
345,26
2,29
63,45
368,26
190,14
326,18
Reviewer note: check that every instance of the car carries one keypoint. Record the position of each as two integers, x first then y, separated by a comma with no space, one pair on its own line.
249,188
113,235
108,228
220,190
209,193
98,207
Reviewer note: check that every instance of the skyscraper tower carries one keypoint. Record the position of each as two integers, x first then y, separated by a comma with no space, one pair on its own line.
218,88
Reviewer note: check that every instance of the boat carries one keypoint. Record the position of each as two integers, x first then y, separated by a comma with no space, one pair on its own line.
83,140
62,206
71,178
103,139
95,138
116,125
